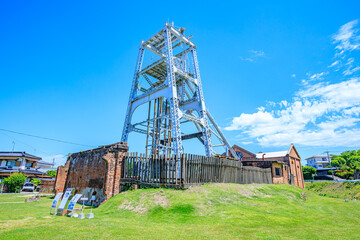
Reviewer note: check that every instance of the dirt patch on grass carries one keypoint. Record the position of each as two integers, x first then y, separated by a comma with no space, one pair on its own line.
146,202
11,224
198,189
160,198
132,206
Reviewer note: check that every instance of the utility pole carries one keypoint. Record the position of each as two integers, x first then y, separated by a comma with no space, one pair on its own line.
329,159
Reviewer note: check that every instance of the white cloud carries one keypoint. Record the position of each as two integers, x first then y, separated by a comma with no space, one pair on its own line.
315,117
346,38
323,112
293,75
271,103
284,103
313,77
254,55
350,70
334,64
247,59
352,111
316,76
258,53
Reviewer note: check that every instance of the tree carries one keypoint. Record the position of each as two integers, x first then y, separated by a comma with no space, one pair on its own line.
347,160
35,181
15,182
309,172
51,173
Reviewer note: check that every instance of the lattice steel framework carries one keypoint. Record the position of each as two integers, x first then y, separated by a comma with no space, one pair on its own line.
172,88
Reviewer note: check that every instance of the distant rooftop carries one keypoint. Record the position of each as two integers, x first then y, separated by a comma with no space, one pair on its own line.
44,163
18,154
272,154
319,156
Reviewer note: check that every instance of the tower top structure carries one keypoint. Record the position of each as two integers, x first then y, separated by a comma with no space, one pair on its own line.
170,84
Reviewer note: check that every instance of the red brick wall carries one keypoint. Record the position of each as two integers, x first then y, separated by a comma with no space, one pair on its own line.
47,186
97,170
60,179
113,175
296,168
283,178
296,171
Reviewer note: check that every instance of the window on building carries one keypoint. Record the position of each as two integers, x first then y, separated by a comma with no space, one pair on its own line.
278,172
28,164
10,163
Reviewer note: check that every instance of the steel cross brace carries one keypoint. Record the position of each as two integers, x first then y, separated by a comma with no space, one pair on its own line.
182,90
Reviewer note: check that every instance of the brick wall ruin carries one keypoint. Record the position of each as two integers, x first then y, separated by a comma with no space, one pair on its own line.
96,171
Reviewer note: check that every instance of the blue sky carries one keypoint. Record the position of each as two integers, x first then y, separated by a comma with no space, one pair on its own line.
273,72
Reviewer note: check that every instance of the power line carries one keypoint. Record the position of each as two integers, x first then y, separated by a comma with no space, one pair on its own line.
46,138
17,140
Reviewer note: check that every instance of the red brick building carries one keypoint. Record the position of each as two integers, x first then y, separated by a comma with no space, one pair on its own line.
243,153
285,165
93,172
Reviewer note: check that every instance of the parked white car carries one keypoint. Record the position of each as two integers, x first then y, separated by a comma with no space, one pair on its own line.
28,187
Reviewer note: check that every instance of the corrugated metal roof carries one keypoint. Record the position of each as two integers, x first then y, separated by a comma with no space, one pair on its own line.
272,154
18,154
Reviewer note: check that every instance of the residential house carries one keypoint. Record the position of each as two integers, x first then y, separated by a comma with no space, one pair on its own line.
43,166
11,162
320,162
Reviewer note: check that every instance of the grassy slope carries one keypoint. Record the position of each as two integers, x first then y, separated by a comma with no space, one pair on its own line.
220,211
345,190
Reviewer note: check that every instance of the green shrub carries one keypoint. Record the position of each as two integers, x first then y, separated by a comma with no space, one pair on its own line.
347,174
35,182
51,173
309,172
15,182
308,176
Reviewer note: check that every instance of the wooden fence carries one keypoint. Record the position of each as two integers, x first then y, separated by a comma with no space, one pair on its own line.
256,175
182,171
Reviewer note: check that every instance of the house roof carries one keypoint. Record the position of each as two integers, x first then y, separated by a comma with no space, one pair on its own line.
25,171
243,149
18,154
44,163
258,160
272,154
318,156
277,154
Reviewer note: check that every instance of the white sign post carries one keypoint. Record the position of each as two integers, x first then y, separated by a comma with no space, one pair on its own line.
82,215
64,201
55,202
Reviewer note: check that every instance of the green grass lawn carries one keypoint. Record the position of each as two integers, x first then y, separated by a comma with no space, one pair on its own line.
345,190
221,211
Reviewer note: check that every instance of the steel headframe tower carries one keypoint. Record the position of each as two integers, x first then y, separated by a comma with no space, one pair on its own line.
173,84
